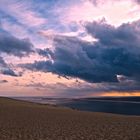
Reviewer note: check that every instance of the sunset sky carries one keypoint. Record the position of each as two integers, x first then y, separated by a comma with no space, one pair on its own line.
69,48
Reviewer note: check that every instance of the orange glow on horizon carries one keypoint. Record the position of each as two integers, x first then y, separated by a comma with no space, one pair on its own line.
121,94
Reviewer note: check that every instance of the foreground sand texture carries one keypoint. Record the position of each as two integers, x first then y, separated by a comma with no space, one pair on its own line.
21,120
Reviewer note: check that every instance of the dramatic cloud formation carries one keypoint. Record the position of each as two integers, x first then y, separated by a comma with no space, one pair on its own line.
14,46
5,68
48,45
117,52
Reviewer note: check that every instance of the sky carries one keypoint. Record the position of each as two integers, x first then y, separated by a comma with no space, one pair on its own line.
70,48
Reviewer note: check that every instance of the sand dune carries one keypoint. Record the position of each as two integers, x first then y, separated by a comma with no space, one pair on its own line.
21,120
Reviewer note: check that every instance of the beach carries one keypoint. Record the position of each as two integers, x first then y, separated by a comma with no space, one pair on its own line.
21,120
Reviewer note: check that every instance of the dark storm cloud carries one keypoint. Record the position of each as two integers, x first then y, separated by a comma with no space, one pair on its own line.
126,35
5,68
46,52
117,52
10,72
119,47
11,45
2,62
14,46
70,59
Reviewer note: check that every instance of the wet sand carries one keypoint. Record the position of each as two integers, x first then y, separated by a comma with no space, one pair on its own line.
21,120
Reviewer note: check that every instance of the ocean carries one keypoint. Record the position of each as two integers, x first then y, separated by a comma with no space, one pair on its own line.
116,105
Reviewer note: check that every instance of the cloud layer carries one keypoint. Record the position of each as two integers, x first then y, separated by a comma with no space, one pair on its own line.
12,46
57,43
117,52
5,68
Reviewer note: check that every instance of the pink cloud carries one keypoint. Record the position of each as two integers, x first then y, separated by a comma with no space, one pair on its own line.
115,12
22,12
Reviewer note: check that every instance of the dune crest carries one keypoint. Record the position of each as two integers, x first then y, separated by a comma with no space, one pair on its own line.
20,120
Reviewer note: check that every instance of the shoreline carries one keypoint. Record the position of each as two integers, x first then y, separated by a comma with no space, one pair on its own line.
74,104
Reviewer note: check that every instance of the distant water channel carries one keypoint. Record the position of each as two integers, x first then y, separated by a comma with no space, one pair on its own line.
126,106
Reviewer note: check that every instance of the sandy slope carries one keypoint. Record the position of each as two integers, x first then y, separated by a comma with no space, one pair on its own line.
29,121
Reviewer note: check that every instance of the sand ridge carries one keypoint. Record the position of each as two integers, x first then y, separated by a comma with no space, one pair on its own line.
20,120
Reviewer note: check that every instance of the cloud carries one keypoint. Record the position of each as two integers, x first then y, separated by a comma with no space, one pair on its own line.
23,12
10,45
62,90
2,62
71,57
84,89
46,52
89,10
3,81
5,68
14,46
138,1
96,2
10,72
117,52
